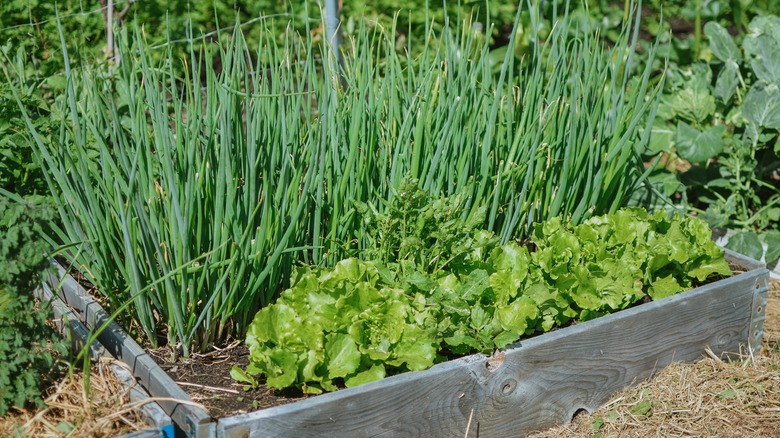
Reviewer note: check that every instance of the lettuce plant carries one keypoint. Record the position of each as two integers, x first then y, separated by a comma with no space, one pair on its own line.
362,320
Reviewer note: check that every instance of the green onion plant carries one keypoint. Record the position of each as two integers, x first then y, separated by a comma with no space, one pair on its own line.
210,177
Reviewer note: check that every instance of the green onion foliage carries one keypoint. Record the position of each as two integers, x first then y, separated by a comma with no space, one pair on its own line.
253,160
159,169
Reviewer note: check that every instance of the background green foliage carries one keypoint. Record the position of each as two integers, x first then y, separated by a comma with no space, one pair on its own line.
718,127
27,343
19,170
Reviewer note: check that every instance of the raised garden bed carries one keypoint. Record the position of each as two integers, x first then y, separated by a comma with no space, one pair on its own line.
536,383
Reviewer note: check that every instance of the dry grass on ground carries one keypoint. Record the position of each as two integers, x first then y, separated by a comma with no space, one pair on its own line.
70,412
705,399
710,398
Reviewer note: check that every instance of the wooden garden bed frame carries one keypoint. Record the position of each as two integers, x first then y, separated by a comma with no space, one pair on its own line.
532,385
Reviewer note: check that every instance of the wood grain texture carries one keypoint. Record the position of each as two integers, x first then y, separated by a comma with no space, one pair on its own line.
193,420
535,384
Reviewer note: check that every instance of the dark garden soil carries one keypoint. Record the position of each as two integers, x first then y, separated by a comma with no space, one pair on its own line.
206,379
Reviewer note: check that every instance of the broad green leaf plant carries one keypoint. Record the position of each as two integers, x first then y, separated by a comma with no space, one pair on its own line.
29,346
718,125
361,320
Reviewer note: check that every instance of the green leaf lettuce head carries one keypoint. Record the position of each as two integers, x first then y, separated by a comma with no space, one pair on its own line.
338,323
360,320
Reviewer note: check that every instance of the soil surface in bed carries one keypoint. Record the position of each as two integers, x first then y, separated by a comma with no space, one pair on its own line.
206,379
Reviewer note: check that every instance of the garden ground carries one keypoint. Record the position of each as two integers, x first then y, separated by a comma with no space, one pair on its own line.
105,411
707,398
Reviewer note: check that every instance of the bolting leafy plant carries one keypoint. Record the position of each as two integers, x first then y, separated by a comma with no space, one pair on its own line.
418,232
28,346
362,320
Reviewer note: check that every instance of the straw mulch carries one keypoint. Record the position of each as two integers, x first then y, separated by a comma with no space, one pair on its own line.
70,411
705,399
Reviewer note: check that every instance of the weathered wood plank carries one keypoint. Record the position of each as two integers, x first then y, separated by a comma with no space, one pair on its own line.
69,324
538,383
581,369
193,420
